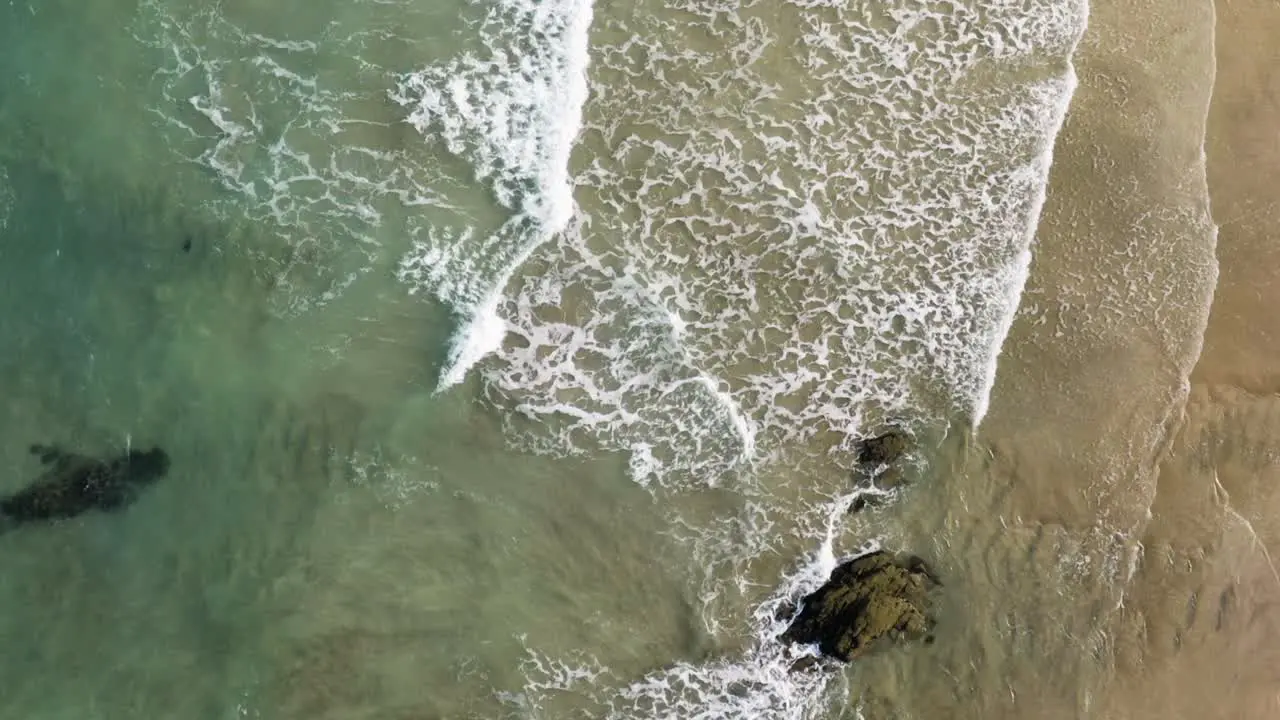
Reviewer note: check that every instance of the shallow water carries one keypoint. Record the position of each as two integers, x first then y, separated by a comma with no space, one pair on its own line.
331,540
511,355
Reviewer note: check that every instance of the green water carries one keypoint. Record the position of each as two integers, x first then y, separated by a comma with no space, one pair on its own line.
333,540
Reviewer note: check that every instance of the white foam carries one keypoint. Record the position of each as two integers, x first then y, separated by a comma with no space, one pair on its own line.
938,309
813,236
759,684
482,334
546,676
7,198
512,112
273,129
1210,278
283,127
742,425
790,235
1020,270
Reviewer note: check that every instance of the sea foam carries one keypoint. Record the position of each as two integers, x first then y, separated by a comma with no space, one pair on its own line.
512,111
793,229
782,230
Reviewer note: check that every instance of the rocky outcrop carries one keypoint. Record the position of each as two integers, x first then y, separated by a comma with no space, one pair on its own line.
866,599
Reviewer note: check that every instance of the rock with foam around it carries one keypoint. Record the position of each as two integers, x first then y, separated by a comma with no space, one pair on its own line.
866,599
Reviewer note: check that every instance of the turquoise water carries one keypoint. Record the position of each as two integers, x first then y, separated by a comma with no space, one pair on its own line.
509,355
332,540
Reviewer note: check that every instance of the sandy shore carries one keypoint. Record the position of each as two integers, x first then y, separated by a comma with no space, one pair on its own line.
1114,532
1204,621
1158,480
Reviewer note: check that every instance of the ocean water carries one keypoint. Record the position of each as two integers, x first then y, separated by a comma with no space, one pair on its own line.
511,354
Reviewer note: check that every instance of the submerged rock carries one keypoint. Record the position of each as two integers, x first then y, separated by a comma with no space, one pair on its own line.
805,664
862,502
890,478
74,484
877,469
865,599
867,500
883,449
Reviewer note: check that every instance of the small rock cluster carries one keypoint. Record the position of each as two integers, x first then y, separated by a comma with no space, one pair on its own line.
877,466
876,596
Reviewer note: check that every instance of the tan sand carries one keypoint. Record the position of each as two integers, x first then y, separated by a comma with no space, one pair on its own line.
1049,538
1204,618
1099,453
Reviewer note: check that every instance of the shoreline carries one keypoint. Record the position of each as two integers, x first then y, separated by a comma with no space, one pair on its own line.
1043,529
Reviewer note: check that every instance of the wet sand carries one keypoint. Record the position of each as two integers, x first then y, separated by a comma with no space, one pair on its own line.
1118,515
1086,580
1203,622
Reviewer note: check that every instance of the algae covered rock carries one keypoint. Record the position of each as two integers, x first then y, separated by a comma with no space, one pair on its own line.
866,599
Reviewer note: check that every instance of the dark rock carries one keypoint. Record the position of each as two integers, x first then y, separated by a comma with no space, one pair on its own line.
916,564
877,468
75,484
785,611
865,599
889,479
884,449
862,502
804,664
